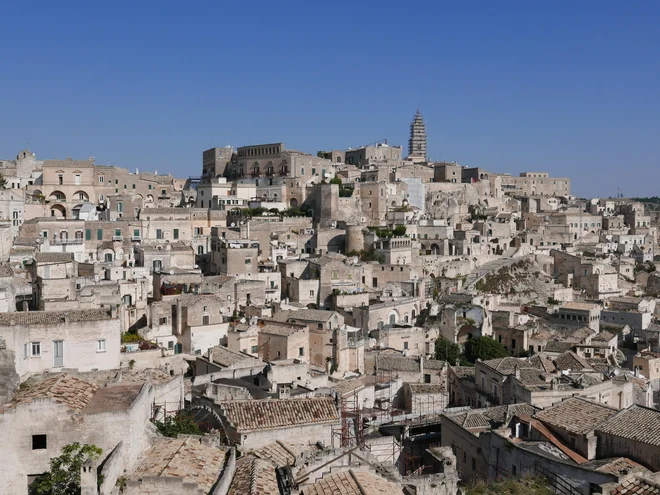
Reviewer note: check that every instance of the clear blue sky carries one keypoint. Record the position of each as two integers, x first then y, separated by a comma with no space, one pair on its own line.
572,88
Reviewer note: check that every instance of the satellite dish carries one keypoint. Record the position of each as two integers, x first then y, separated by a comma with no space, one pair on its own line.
171,272
233,224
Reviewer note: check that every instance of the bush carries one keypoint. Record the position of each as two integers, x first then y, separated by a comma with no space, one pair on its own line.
336,180
181,424
484,348
130,338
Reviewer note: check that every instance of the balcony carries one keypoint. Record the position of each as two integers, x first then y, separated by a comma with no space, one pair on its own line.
67,242
273,289
117,237
136,237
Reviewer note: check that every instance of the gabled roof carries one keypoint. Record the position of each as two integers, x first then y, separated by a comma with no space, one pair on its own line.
492,417
637,423
63,389
257,415
576,415
352,482
184,457
254,476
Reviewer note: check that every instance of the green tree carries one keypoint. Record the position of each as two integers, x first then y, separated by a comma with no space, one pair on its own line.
484,348
445,350
64,475
335,180
180,424
3,181
399,230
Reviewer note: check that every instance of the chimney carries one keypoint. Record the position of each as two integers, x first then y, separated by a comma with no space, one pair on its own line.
516,371
113,311
421,365
88,478
209,354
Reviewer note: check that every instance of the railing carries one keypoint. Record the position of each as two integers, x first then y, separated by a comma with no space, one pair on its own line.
117,237
272,289
64,242
136,237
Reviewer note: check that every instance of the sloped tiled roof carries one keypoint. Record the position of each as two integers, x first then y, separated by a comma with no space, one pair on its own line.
38,317
283,453
186,458
254,476
507,365
576,415
396,363
571,361
352,482
637,486
637,423
256,415
492,417
54,257
226,357
63,389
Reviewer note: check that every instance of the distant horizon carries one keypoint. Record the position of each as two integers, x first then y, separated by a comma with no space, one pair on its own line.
569,89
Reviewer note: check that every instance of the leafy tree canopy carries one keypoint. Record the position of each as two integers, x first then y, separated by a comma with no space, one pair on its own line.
181,424
64,475
484,348
446,350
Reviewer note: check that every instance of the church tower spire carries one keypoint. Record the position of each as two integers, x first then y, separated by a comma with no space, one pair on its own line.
417,142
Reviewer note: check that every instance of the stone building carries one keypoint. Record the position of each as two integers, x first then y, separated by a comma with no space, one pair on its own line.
83,340
251,424
417,141
536,184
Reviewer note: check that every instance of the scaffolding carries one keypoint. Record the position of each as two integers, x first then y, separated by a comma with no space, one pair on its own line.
350,432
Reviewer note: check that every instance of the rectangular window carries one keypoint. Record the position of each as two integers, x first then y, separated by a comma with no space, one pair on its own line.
301,351
101,197
254,349
39,442
36,348
124,186
88,234
248,261
136,232
162,320
133,186
117,232
101,179
176,233
99,234
100,345
335,275
120,206
77,179
170,345
163,192
405,346
206,320
159,234
149,186
311,293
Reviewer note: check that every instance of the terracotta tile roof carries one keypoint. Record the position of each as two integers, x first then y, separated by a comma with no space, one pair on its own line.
254,476
283,453
396,363
282,329
186,458
616,465
39,317
352,482
54,257
542,362
256,415
576,415
507,365
434,364
571,361
637,423
63,389
226,357
637,486
463,371
492,417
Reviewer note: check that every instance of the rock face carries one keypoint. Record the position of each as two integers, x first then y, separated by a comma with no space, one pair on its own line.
9,379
